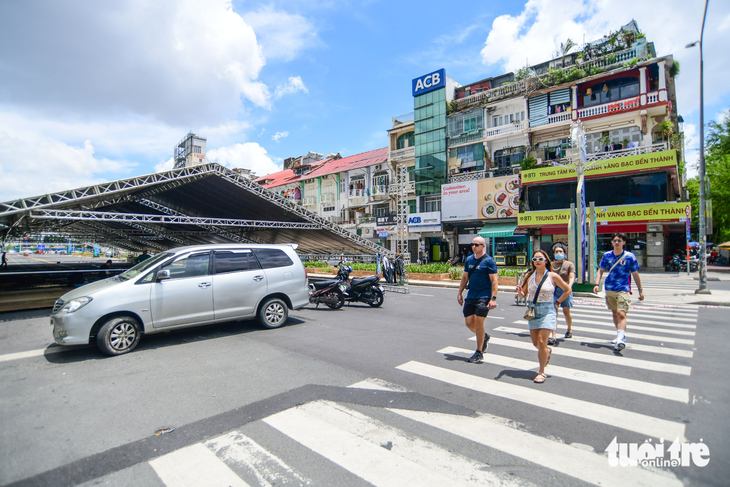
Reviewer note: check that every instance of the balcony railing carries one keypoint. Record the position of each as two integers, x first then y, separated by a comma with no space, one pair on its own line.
357,193
652,97
509,128
379,189
475,136
504,91
401,119
610,108
494,172
634,151
403,154
553,119
393,189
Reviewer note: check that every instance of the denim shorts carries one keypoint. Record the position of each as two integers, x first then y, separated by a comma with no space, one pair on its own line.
568,303
545,317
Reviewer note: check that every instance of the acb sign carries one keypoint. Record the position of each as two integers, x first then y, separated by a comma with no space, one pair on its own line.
429,82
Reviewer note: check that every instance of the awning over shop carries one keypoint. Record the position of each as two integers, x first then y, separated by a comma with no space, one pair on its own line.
502,229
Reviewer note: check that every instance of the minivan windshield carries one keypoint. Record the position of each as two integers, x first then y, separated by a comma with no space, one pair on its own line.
143,266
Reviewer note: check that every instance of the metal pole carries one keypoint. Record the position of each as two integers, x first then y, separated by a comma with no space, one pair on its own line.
703,222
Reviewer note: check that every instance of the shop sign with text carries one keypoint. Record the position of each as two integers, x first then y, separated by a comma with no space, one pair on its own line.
618,165
482,199
656,212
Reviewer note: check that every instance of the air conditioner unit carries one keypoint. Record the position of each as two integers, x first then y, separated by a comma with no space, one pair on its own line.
378,167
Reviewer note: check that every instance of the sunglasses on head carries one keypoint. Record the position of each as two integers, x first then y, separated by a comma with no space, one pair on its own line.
476,245
538,259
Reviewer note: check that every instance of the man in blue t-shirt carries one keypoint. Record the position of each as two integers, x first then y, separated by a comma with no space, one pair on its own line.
621,266
480,271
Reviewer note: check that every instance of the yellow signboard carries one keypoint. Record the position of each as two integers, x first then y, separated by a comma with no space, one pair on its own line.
649,213
618,165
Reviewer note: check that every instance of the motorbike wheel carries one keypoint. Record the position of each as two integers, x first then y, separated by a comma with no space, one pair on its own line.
668,268
379,298
340,299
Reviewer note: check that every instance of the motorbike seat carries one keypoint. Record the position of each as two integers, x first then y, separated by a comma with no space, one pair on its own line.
324,284
368,279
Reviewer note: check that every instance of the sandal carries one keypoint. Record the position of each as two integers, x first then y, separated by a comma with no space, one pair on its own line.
550,354
551,341
539,378
568,335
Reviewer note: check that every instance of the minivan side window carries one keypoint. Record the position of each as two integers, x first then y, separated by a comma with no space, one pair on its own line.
193,265
234,261
270,258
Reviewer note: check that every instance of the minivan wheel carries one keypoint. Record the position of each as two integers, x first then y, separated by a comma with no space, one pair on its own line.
274,313
118,336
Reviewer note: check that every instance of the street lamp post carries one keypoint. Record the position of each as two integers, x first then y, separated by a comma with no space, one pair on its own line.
702,289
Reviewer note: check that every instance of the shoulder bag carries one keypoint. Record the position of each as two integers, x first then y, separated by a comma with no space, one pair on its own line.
476,265
623,256
530,313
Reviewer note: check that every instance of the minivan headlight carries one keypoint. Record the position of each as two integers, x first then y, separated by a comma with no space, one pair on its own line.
76,304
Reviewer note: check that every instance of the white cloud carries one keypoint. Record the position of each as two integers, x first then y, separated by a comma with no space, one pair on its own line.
165,165
294,84
249,155
279,135
534,34
282,35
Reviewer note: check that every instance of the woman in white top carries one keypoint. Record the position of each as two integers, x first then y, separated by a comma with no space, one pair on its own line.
545,315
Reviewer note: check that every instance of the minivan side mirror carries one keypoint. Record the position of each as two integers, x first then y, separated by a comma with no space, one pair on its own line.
163,274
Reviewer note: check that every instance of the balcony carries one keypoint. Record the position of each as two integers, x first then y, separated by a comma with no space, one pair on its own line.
510,128
634,151
403,119
403,154
357,193
494,172
505,91
475,136
610,108
554,119
411,187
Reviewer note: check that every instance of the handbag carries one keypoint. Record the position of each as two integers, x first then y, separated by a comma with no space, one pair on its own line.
530,312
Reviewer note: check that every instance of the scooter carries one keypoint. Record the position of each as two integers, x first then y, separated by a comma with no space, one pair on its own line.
366,290
328,292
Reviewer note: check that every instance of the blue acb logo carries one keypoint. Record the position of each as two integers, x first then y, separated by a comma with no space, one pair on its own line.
414,219
429,82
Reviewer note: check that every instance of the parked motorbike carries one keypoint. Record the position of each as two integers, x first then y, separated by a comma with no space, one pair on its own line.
676,264
328,292
366,290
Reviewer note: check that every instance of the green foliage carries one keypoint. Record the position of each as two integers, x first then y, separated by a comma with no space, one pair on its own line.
674,70
456,273
359,266
611,59
631,62
511,271
576,74
452,107
717,169
434,268
666,128
605,140
315,264
528,163
523,73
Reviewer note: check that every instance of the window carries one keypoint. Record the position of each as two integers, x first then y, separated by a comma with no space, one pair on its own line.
432,203
611,90
494,122
271,258
191,265
411,206
523,116
381,211
470,124
405,140
234,261
500,120
328,208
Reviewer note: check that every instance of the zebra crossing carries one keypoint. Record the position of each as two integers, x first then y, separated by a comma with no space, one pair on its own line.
378,450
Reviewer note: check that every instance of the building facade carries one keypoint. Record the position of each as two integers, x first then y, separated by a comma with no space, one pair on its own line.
190,151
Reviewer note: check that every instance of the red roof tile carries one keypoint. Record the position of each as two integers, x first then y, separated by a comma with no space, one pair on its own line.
377,156
287,176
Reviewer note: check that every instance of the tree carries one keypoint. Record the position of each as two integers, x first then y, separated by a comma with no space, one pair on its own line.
717,170
565,48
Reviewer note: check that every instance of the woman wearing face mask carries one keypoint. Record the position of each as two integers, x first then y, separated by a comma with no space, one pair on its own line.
566,269
545,319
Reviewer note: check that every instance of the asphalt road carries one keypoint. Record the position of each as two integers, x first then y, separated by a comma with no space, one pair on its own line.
245,404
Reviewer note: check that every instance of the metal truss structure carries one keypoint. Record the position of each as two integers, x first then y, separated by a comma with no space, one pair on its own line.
190,198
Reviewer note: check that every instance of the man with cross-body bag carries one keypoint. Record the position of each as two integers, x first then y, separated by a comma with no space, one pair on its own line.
621,266
480,272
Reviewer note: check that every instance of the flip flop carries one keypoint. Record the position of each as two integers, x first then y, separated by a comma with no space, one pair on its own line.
568,335
550,354
551,341
539,379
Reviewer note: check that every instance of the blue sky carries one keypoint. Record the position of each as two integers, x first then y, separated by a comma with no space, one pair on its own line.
94,91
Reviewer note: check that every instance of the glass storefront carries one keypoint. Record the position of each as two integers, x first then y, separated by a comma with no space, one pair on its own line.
430,141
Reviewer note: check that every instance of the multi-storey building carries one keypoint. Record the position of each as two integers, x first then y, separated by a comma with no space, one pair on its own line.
190,151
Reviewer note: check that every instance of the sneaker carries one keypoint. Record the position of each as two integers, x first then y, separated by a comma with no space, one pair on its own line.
620,345
476,358
486,342
614,341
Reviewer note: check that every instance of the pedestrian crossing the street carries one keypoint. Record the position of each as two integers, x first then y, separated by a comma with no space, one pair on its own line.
380,449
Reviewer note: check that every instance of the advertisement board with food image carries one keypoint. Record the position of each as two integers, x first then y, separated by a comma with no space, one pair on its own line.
481,199
499,197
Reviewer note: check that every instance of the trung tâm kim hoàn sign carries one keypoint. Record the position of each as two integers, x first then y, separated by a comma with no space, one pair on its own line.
649,213
618,165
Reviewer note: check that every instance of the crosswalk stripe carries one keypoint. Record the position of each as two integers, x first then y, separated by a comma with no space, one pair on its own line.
642,306
578,315
376,452
243,451
637,313
597,357
584,465
631,335
619,418
631,326
637,386
193,466
629,346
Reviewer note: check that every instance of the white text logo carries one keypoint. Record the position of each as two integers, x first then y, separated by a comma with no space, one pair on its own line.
650,454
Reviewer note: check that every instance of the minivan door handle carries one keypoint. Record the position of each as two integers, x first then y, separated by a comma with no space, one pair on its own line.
204,284
258,278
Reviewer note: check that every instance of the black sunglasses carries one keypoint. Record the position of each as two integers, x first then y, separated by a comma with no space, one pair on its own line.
476,245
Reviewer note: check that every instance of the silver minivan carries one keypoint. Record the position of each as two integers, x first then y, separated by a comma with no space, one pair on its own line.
187,286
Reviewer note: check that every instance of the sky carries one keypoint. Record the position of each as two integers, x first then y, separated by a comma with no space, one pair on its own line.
96,91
